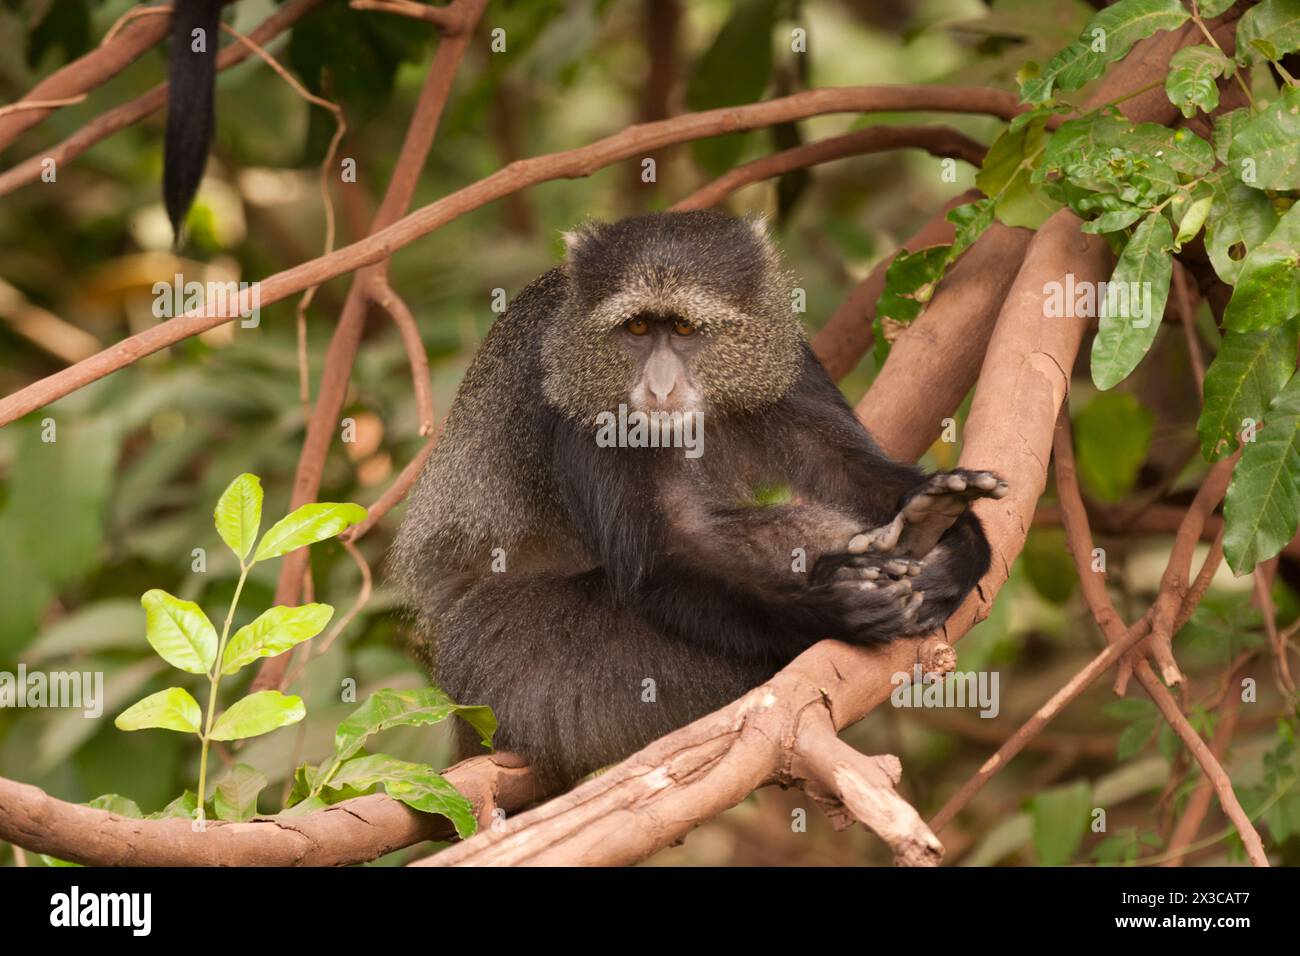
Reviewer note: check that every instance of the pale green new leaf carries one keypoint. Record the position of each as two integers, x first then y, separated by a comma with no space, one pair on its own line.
307,525
274,632
239,514
179,631
1262,507
170,709
116,803
258,714
1126,330
1244,377
235,798
1268,286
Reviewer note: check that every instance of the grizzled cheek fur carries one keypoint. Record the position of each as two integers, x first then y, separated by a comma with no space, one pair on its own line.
588,374
746,364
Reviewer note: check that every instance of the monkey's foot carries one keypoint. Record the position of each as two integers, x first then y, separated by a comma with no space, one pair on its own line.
929,512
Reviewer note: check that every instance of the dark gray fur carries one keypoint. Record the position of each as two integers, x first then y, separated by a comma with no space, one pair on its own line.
631,564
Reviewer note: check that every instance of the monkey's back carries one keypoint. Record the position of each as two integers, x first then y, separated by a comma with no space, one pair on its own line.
487,484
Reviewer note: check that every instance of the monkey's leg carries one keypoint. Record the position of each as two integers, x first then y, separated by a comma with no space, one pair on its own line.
576,683
928,512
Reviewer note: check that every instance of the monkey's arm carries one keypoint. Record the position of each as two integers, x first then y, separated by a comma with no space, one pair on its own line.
723,577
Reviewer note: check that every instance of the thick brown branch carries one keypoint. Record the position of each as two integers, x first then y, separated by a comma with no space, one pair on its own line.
350,832
933,364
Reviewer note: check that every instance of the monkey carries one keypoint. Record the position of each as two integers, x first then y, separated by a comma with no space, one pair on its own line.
191,76
598,596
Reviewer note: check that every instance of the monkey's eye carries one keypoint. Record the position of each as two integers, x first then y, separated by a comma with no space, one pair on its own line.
637,326
684,327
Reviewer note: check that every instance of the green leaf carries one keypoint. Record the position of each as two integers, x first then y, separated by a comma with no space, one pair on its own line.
1048,564
409,708
1244,377
1193,218
1006,176
1130,708
1268,30
910,281
417,785
1135,303
1268,286
1180,149
1240,218
1113,221
309,524
1107,37
170,709
1134,738
236,795
239,514
179,631
116,803
735,69
1113,435
1193,80
1060,818
110,624
75,471
183,807
971,219
1264,153
1226,126
274,632
1212,8
258,714
1262,508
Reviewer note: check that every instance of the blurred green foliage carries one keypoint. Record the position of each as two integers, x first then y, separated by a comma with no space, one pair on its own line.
120,501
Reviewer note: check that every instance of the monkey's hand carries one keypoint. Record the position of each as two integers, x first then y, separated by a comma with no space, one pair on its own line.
870,597
927,512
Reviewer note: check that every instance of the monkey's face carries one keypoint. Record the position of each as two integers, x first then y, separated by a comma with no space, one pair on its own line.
661,348
672,312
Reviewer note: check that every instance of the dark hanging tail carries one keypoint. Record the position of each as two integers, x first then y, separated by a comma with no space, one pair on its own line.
190,78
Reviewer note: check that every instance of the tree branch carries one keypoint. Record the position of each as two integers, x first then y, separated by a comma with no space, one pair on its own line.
567,164
936,140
